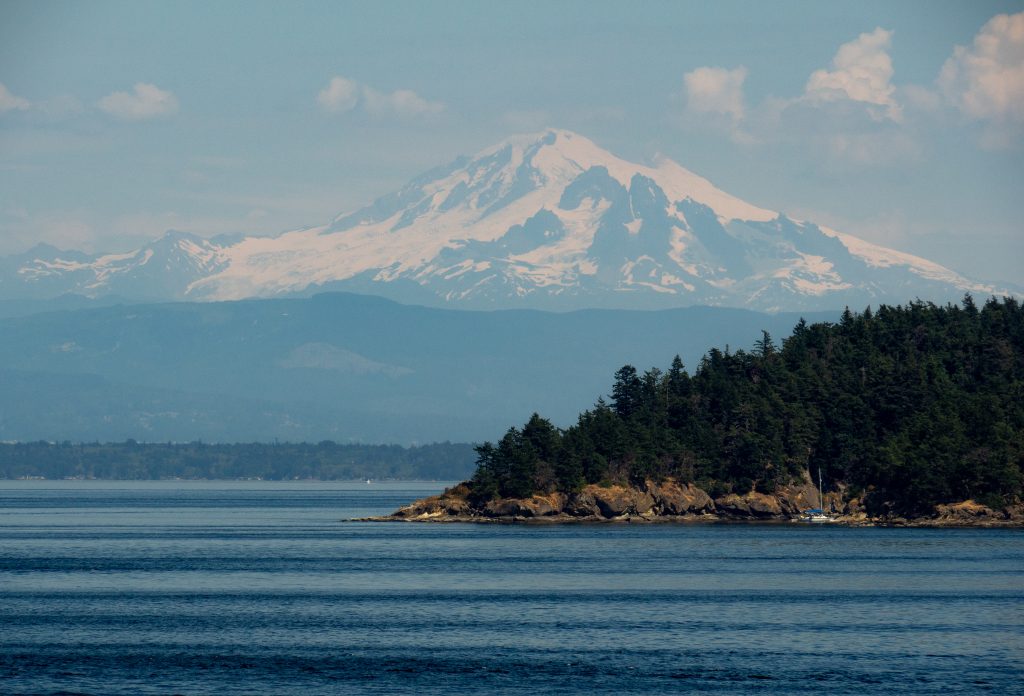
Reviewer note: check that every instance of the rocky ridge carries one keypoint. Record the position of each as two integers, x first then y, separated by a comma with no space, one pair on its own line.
671,501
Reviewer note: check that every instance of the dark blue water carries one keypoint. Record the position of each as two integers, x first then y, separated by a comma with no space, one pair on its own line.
180,587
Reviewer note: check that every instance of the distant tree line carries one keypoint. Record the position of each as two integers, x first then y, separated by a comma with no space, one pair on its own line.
914,405
325,460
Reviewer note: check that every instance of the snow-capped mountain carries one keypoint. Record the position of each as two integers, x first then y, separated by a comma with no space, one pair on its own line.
163,269
548,220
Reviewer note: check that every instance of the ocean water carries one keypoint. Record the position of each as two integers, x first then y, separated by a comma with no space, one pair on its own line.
261,588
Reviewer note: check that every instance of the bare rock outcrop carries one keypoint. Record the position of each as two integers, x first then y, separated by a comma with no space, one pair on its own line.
675,499
616,501
669,500
967,513
796,498
581,504
506,507
752,505
534,506
453,503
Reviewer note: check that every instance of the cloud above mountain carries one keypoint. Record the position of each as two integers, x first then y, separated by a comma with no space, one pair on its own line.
861,72
716,91
403,102
986,80
342,95
853,111
838,111
10,102
144,102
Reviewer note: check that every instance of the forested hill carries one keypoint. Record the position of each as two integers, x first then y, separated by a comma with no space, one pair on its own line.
908,406
324,460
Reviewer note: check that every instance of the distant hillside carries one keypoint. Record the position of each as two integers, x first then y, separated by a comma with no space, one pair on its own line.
335,366
273,462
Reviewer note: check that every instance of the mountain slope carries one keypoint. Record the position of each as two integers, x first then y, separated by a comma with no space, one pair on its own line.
546,221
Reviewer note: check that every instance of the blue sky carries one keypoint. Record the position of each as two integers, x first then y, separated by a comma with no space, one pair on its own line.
902,123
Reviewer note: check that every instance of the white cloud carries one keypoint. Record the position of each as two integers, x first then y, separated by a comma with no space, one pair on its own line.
144,102
716,91
341,94
402,102
836,135
9,102
986,81
849,114
861,72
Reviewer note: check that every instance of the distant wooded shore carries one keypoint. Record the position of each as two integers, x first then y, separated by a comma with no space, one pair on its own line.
329,461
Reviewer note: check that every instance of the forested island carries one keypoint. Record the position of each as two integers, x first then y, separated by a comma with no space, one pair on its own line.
906,413
270,461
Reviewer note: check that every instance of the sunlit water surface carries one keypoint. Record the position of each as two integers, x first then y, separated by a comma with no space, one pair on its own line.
260,587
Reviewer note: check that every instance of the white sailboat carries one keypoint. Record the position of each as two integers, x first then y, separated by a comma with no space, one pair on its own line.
817,515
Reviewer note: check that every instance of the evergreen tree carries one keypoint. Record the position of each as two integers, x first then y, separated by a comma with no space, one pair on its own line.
626,392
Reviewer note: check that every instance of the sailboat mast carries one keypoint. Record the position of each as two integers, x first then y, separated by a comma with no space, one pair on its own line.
821,499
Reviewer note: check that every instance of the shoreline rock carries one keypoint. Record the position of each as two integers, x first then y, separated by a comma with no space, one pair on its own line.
673,502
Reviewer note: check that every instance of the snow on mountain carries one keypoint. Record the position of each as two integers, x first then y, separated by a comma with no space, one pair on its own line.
548,220
159,270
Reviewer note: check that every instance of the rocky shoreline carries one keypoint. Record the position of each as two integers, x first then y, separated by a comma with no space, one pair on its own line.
670,501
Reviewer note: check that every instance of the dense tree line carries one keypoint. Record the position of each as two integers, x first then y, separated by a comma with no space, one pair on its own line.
325,460
914,405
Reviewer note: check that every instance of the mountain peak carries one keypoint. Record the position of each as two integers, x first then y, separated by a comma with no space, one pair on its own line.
560,155
547,220
554,149
176,235
550,137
